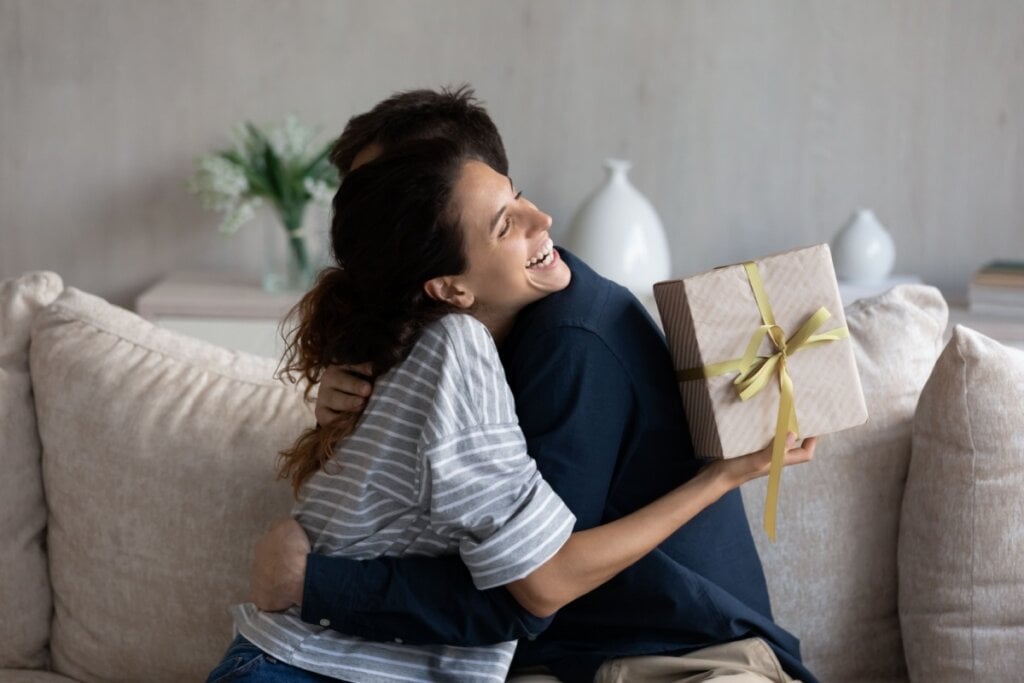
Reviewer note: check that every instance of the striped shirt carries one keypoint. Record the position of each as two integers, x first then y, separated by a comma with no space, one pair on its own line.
436,465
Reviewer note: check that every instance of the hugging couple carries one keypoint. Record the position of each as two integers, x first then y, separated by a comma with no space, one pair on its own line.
502,483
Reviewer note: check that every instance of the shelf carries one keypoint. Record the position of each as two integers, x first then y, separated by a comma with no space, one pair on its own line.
210,295
1006,329
223,310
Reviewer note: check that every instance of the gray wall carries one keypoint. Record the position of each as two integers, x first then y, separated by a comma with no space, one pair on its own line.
753,126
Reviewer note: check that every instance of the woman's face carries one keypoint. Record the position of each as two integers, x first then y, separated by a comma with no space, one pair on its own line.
511,259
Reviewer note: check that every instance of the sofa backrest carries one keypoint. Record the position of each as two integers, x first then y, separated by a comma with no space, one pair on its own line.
832,573
25,602
158,461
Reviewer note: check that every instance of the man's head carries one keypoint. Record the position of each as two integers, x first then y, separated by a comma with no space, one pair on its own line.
454,115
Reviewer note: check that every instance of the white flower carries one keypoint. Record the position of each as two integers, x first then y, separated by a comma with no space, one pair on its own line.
219,183
265,164
319,191
238,215
290,139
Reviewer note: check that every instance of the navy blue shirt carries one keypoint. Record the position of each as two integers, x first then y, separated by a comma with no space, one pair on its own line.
597,400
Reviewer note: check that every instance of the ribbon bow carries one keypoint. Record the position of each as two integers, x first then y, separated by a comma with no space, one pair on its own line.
756,371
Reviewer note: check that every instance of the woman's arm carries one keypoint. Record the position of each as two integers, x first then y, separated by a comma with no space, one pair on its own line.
592,557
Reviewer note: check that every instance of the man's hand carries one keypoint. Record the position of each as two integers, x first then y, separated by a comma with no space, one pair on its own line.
343,389
279,567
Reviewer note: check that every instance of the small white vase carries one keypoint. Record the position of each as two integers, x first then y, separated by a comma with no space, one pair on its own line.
863,251
618,233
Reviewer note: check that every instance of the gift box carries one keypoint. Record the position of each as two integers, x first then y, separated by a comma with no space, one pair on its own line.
760,349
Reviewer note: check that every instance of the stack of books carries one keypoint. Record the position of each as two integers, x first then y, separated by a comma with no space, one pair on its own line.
998,289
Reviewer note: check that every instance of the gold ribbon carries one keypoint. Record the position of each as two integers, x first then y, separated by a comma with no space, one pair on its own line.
756,371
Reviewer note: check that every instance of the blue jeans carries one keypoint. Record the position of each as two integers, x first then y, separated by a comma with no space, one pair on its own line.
244,662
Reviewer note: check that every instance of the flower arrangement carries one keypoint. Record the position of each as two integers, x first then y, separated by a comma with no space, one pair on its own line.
274,166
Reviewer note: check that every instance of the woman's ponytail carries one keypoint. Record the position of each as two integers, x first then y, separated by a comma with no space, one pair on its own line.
393,229
321,310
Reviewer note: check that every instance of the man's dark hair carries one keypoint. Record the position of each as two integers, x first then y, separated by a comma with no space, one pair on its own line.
454,115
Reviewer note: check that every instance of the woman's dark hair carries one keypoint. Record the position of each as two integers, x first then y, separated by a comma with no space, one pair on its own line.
393,228
455,114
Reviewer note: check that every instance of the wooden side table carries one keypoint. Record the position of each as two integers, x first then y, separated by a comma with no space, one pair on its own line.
230,312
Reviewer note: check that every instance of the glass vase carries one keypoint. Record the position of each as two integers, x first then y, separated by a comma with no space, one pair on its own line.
292,256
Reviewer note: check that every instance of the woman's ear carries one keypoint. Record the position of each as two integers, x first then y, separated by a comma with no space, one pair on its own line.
449,290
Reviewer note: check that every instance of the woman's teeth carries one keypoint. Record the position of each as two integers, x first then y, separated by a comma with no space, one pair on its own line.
544,258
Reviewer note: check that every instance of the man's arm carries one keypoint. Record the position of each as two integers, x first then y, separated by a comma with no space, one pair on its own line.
384,599
414,599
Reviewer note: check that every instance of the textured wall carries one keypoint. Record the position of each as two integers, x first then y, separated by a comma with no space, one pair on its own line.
753,126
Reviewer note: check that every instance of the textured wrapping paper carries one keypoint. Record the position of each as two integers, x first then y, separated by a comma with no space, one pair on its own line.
711,318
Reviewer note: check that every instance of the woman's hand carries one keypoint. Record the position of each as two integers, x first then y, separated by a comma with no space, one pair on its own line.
737,471
343,389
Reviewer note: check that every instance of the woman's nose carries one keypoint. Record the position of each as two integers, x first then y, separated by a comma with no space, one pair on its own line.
540,220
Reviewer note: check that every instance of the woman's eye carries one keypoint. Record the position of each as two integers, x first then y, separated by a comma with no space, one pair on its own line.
506,227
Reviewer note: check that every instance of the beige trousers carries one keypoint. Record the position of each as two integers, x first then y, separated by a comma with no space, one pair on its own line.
743,661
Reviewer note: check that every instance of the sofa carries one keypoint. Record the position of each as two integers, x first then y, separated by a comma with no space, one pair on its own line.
138,468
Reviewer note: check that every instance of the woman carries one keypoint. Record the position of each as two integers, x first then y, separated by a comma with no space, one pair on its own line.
436,464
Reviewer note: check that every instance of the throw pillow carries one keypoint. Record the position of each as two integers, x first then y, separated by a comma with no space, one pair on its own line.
25,601
832,572
159,456
962,532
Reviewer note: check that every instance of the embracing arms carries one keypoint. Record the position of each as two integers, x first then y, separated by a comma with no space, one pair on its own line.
574,427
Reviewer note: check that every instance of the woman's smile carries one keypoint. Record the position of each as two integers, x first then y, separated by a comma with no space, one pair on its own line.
545,257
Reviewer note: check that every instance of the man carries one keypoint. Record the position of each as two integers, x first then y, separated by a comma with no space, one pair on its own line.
596,398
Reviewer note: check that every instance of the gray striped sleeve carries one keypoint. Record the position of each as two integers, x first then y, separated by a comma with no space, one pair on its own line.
484,488
486,492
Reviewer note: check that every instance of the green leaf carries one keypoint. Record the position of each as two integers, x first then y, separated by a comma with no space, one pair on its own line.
255,145
320,158
328,174
234,157
257,135
297,188
273,167
258,184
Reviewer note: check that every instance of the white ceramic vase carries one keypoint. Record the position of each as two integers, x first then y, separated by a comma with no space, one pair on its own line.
863,250
618,233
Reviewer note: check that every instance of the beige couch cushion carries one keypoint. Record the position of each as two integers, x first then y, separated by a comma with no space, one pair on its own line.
25,602
832,572
962,534
158,464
